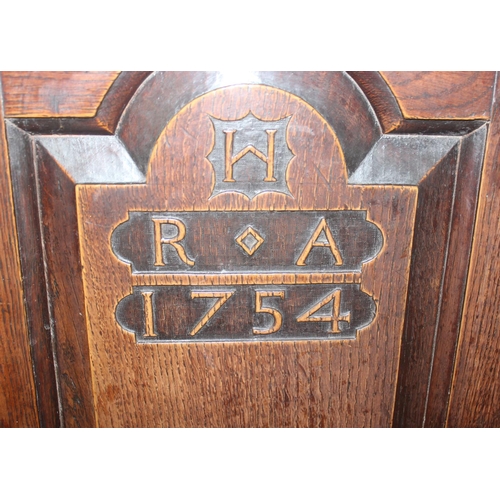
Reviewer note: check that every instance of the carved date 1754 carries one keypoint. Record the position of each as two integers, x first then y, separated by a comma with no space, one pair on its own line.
243,275
242,244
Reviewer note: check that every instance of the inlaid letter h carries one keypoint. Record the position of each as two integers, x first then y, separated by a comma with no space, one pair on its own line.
231,160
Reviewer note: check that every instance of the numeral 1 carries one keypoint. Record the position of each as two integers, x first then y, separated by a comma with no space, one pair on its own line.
148,314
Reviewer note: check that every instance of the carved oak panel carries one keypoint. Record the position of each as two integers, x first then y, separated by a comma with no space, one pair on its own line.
249,253
316,237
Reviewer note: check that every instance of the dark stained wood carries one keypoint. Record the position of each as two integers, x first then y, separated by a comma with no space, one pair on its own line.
55,93
17,389
475,396
381,98
402,159
392,120
455,276
430,241
220,250
443,234
162,314
92,159
439,127
118,96
32,264
356,125
456,95
258,383
66,299
107,115
159,160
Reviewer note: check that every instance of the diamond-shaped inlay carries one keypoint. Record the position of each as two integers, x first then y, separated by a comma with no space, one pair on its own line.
250,240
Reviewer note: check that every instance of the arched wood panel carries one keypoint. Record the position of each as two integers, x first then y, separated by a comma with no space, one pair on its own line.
65,166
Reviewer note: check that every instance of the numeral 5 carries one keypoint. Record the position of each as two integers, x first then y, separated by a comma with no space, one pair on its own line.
278,318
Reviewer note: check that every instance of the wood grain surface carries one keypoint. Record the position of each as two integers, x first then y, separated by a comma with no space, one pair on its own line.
428,260
55,93
398,370
381,97
388,105
475,396
259,383
454,277
354,121
109,107
443,234
437,95
17,390
65,290
25,190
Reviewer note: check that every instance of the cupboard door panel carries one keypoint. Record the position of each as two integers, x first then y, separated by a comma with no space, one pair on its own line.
17,386
291,250
474,397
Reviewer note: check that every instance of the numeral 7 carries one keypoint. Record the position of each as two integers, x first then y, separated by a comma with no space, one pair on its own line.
223,298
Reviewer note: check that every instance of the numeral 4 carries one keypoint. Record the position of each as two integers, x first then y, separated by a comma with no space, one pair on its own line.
334,318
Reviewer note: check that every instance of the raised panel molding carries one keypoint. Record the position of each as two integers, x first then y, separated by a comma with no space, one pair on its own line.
414,175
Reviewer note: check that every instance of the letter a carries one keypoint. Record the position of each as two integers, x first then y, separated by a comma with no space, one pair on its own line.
313,242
